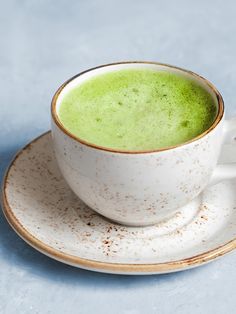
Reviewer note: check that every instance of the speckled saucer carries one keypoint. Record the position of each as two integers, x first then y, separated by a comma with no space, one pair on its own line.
42,209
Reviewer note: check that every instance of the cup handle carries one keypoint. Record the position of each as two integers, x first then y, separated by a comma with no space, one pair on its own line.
226,171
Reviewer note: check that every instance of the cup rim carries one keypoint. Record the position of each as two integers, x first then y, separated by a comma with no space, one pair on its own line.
218,118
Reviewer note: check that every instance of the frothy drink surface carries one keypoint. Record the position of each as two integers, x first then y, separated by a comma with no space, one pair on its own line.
137,109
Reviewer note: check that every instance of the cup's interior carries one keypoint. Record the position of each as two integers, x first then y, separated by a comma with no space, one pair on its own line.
86,75
79,79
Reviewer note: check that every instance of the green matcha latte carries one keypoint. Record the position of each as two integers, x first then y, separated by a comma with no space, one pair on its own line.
137,109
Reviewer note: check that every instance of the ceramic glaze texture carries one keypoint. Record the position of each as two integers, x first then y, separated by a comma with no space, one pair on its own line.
47,214
136,188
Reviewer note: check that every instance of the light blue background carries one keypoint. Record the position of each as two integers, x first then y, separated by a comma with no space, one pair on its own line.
42,43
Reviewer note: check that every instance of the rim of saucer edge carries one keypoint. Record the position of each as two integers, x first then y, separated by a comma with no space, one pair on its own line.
163,267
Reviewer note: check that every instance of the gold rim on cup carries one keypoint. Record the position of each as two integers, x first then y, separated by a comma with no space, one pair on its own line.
84,142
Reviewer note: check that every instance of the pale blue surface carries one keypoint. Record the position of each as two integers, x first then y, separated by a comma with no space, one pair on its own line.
42,44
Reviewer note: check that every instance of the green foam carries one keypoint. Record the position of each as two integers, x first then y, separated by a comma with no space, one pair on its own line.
137,109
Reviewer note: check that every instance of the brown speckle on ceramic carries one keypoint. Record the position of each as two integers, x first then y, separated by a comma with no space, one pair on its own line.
48,215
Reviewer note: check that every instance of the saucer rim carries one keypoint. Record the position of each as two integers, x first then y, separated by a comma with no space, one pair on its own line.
124,268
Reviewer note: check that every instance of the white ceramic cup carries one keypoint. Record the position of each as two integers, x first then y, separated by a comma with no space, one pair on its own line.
141,188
